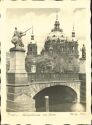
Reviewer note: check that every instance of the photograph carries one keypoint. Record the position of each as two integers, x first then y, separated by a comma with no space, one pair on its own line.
45,60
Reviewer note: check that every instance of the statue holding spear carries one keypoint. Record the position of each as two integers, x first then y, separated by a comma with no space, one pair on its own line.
17,37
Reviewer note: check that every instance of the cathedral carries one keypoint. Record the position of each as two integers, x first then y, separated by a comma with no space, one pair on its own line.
58,61
56,77
57,56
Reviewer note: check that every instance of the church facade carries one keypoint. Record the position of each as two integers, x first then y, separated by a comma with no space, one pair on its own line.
58,66
56,77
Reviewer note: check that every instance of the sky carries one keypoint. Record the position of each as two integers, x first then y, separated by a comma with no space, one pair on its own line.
42,20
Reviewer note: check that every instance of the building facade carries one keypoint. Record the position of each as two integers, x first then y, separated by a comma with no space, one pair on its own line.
58,71
56,77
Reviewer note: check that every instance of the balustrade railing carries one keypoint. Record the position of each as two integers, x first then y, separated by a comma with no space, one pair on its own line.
35,77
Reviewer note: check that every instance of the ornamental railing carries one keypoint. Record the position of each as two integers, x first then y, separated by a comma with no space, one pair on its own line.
35,77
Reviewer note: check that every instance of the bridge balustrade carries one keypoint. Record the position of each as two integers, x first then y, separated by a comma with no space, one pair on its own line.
35,77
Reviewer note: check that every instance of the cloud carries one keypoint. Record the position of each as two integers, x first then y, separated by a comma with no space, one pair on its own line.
18,12
78,9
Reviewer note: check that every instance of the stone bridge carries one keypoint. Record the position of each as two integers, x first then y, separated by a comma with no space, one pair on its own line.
36,87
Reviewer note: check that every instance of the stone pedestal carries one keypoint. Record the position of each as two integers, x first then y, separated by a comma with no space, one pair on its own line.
16,77
82,66
17,60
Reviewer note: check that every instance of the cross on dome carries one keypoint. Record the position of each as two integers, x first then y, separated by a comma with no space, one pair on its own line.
57,16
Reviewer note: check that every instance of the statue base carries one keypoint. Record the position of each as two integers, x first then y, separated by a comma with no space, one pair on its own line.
17,80
17,48
17,60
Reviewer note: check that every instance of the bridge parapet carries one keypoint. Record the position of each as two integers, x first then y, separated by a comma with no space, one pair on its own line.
42,77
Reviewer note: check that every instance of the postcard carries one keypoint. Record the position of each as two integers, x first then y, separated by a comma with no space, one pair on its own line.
46,68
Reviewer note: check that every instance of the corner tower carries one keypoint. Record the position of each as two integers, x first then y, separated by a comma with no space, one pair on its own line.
32,47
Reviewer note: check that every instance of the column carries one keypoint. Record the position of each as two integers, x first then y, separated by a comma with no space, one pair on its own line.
47,103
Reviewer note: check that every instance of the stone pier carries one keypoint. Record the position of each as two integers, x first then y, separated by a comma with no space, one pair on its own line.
17,81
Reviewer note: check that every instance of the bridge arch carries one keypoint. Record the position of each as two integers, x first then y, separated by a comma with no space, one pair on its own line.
60,98
37,87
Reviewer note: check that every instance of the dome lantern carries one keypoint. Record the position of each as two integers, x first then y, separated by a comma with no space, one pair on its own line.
73,35
32,37
57,25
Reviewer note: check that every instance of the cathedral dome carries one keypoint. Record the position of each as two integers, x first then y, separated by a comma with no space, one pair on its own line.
56,33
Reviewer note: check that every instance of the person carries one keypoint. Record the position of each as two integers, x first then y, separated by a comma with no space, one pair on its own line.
17,38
